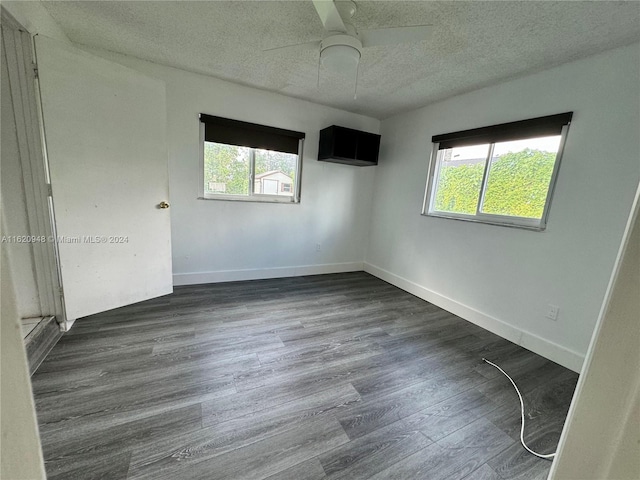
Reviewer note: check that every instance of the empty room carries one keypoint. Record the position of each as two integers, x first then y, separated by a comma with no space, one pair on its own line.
318,239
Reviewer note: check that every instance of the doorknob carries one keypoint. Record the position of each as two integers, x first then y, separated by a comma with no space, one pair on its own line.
163,205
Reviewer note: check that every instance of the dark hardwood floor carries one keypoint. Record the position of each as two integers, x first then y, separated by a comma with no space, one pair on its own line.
332,376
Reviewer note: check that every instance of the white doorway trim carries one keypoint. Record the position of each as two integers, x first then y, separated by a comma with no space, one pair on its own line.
18,46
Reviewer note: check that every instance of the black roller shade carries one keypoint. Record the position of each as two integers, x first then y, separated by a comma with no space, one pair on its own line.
244,134
534,127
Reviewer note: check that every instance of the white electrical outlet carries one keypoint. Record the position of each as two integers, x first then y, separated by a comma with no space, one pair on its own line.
318,247
552,312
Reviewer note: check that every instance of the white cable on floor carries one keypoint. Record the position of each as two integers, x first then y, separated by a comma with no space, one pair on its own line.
548,456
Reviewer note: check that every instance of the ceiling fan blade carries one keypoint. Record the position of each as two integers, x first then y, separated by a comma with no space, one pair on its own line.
329,15
315,44
395,35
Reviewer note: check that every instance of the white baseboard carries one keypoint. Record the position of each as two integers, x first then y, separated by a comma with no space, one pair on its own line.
552,351
262,273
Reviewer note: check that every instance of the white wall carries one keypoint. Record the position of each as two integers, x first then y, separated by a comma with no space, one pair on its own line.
20,444
601,438
503,278
223,240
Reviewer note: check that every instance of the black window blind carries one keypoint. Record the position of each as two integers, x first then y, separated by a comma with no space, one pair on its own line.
235,132
533,127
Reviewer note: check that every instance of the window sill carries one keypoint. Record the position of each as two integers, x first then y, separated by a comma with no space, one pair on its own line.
252,199
534,225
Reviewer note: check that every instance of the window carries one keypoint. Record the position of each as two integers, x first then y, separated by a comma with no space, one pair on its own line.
502,175
250,162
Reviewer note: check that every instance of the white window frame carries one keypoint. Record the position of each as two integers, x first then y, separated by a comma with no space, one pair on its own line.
251,197
481,217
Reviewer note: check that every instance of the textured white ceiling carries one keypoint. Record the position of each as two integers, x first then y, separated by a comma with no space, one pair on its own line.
475,44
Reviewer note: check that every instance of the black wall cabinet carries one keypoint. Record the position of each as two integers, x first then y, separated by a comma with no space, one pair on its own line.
348,146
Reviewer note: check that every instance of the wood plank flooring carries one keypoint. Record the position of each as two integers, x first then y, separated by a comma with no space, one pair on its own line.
307,378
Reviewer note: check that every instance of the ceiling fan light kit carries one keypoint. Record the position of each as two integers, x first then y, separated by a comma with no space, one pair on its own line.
341,53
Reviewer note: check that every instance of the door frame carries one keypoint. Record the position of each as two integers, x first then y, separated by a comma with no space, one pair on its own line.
25,97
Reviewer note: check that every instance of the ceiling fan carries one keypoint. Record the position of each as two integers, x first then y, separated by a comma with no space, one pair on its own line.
341,48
